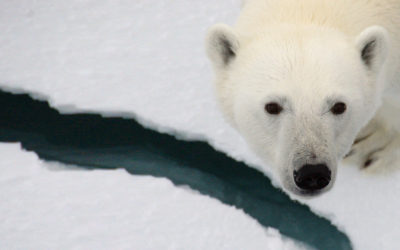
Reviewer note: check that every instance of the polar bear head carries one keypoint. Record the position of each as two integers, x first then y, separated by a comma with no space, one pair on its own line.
299,96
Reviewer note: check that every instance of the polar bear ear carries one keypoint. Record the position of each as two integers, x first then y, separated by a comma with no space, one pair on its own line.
221,45
372,44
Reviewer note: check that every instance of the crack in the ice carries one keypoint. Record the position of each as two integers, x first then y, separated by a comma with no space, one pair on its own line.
91,140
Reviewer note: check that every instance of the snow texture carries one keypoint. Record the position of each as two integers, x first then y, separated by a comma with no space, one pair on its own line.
145,60
49,206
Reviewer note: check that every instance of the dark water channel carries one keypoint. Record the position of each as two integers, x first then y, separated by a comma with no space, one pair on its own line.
109,143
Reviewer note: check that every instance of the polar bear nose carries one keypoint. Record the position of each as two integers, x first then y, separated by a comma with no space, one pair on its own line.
312,177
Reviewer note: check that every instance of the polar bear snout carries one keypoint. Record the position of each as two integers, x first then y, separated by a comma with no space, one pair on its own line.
312,177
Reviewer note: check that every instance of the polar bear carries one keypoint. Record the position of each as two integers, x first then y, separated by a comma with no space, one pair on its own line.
307,82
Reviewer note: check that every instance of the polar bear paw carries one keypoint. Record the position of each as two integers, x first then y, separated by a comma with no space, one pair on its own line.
376,149
385,159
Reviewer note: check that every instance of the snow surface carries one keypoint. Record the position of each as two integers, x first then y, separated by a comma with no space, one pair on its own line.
47,206
145,60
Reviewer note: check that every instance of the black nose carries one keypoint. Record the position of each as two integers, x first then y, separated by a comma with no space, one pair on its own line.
312,177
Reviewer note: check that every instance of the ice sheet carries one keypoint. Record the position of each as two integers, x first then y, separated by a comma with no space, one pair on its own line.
145,60
49,206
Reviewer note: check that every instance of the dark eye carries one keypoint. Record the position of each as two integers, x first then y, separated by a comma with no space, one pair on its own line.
273,108
339,108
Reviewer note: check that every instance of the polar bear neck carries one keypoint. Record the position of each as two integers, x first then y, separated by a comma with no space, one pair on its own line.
348,16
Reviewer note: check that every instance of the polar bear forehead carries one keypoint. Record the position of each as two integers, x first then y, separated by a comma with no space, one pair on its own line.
317,61
305,70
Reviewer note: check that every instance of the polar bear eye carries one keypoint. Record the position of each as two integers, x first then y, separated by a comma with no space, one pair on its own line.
339,108
273,108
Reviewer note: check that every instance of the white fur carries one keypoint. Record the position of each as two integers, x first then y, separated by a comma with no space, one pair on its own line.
306,56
